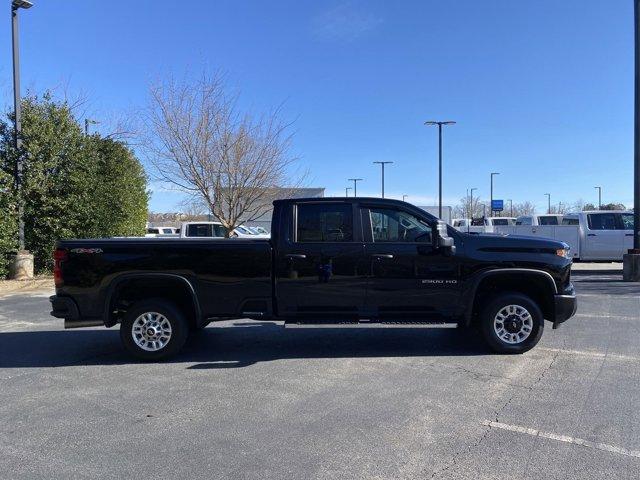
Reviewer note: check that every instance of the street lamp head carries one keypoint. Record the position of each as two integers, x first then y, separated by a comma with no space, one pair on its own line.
495,173
16,4
433,122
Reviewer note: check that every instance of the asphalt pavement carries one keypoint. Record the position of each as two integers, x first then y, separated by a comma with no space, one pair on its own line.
251,400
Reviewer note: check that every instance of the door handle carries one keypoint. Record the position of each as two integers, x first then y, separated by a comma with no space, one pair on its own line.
628,234
296,255
591,235
382,255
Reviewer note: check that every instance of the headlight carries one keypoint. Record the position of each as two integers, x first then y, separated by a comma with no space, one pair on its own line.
563,252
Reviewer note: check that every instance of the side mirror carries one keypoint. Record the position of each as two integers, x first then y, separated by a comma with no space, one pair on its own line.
443,240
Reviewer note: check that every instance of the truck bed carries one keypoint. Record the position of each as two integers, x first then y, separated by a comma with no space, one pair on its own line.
239,269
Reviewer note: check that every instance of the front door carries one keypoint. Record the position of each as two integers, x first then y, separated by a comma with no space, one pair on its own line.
320,271
410,278
626,223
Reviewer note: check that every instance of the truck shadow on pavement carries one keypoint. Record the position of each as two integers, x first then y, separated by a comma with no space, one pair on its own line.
240,345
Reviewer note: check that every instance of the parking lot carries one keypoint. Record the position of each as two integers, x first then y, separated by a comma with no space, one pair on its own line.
253,400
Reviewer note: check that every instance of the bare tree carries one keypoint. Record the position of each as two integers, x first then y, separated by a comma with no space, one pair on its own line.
523,208
200,143
465,209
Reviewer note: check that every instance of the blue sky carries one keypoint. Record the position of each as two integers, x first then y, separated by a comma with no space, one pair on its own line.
542,91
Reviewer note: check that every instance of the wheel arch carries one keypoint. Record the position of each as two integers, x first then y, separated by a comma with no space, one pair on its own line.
537,284
137,286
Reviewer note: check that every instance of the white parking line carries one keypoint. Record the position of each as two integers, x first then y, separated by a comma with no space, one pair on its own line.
601,295
563,438
588,353
8,326
605,315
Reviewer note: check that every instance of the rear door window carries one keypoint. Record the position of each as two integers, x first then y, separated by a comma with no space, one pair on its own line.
570,221
500,221
325,222
602,221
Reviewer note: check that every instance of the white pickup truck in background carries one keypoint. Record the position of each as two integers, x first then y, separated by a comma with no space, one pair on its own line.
481,225
601,235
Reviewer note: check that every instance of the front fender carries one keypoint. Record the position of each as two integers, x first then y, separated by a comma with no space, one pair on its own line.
472,285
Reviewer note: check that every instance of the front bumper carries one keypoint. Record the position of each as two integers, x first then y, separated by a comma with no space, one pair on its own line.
566,305
65,307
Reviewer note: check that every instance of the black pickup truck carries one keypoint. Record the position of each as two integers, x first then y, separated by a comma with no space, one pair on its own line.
329,262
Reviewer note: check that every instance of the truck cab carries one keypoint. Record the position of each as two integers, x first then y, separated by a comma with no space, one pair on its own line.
604,234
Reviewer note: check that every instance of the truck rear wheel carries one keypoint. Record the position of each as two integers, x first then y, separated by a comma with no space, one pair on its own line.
153,329
511,323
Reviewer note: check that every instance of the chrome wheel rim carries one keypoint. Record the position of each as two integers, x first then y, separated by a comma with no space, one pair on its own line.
151,331
513,324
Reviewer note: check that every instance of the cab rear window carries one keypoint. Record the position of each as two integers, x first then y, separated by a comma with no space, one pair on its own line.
500,221
548,220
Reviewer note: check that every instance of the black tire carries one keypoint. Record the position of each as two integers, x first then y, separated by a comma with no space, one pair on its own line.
178,326
512,323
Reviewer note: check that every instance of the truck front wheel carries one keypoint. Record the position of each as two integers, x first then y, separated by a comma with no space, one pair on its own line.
511,323
153,329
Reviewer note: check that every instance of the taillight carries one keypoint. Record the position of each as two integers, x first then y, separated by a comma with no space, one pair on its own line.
59,256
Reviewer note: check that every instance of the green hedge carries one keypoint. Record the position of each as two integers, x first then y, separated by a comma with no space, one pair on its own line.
8,225
74,186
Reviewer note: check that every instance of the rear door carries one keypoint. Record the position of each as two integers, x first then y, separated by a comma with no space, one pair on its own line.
604,239
410,279
320,268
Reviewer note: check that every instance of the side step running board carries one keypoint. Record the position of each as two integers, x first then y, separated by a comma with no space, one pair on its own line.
372,325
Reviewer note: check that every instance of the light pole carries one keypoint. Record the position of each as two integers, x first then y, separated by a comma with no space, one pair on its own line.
382,164
491,195
88,121
636,172
471,203
23,266
510,206
346,191
548,202
439,124
631,260
355,185
404,198
599,197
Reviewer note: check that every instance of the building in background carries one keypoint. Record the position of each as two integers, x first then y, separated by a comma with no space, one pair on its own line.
265,220
447,212
175,219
